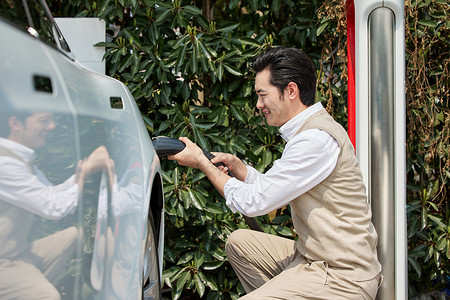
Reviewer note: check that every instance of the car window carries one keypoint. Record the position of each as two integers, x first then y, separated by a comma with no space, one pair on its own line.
29,16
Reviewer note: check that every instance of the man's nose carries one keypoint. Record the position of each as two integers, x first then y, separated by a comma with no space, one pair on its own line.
51,126
259,103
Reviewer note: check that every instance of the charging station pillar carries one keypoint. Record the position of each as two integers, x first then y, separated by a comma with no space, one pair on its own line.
376,54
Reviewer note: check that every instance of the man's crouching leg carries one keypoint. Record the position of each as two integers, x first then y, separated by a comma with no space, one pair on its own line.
257,257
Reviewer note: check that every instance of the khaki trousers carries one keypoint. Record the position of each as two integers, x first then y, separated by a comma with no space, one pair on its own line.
269,267
31,277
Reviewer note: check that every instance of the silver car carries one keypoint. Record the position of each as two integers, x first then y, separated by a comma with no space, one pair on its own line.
81,196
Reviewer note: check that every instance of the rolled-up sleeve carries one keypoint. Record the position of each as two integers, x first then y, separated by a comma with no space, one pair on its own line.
307,160
34,193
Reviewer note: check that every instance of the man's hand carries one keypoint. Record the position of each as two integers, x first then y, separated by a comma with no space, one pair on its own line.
97,161
192,156
233,164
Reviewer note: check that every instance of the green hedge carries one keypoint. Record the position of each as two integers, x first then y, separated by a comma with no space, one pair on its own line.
428,144
187,65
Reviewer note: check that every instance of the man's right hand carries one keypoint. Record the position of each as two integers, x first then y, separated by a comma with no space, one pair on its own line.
233,164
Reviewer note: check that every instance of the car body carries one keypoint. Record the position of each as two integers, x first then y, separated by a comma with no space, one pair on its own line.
116,252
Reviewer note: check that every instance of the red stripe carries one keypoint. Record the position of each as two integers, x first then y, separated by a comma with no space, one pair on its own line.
350,11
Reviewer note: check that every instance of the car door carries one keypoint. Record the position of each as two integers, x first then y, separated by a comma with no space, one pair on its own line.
106,119
29,83
96,112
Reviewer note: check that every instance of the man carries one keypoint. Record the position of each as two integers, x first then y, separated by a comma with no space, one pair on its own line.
317,176
28,269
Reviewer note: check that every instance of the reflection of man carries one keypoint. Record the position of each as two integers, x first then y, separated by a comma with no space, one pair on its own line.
317,176
28,268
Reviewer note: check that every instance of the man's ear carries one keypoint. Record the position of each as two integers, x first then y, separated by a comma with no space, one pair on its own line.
14,123
293,92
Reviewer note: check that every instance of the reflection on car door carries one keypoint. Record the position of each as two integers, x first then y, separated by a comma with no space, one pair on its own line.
115,198
39,216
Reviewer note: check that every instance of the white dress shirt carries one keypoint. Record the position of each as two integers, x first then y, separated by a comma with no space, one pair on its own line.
308,158
33,192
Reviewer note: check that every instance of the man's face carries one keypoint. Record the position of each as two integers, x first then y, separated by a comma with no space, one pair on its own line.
274,107
34,131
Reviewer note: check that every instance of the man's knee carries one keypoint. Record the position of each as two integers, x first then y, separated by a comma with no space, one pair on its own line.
236,238
45,291
51,293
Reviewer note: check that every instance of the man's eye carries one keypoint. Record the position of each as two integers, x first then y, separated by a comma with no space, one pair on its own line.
46,121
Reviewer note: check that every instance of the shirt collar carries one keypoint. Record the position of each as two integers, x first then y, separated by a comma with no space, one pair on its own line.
289,129
27,154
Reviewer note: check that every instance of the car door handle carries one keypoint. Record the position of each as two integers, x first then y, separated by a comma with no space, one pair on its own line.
42,84
116,102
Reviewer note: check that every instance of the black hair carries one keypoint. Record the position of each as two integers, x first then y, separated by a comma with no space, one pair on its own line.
5,130
287,64
7,110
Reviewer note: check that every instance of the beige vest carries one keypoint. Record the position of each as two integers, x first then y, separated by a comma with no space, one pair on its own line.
15,222
333,220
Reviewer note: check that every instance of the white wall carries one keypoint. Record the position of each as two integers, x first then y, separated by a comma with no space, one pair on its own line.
82,34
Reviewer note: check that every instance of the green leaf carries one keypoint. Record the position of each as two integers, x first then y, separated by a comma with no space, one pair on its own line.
233,4
254,4
167,273
185,91
217,140
267,158
275,6
442,242
448,248
167,177
284,230
192,10
198,176
228,28
428,23
163,16
205,50
199,138
193,64
200,198
205,125
169,255
148,122
249,41
424,217
186,199
199,285
232,70
200,110
167,110
213,265
184,245
281,219
415,265
182,280
194,200
237,113
202,21
132,36
185,258
418,251
199,258
209,280
439,221
213,208
321,28
220,71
